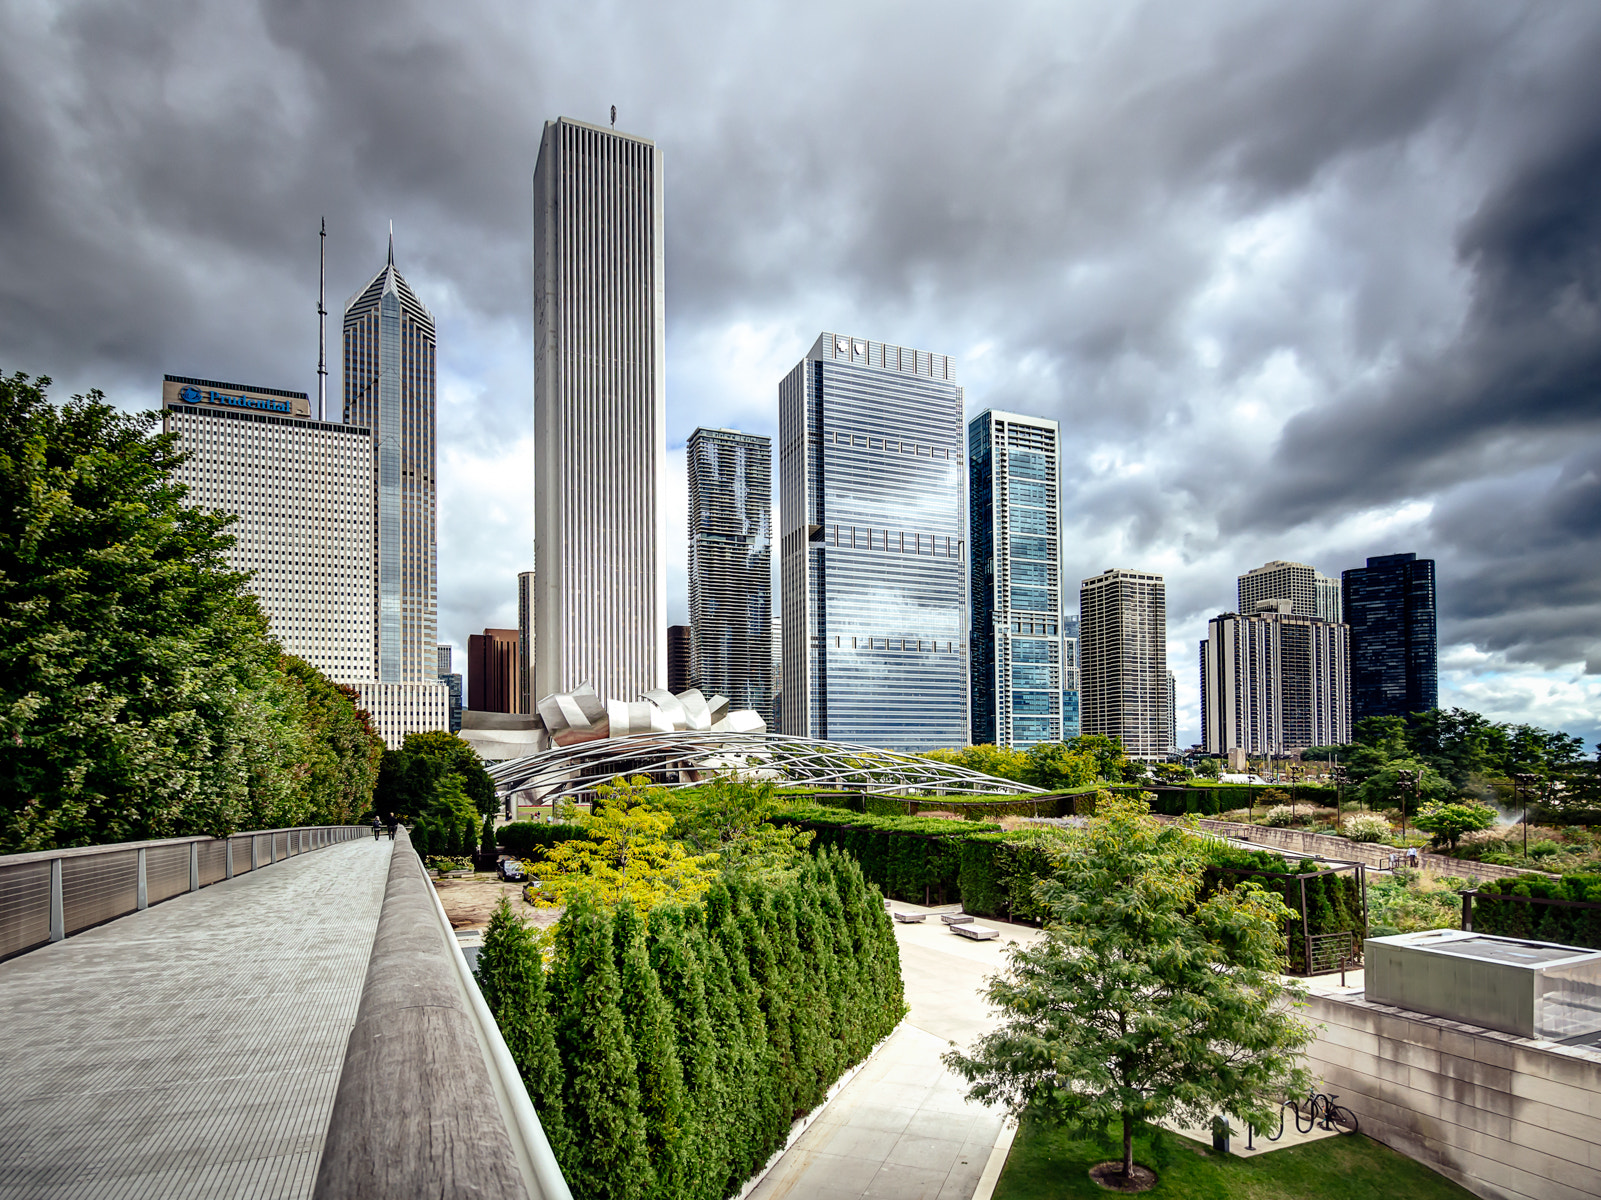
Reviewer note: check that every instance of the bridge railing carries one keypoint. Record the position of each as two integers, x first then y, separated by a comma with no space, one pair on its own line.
47,895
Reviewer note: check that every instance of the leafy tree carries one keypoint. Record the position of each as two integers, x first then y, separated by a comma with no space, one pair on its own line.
454,756
337,769
1057,766
650,1028
1448,822
1172,772
999,761
728,817
625,854
511,976
1382,787
1143,1002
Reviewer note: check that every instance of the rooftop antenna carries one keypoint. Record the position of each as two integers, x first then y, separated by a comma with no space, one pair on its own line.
322,322
614,116
391,243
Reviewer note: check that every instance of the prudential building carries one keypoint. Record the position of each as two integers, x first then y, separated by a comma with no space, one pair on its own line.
873,547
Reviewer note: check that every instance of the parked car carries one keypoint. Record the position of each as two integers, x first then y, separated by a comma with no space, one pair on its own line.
511,870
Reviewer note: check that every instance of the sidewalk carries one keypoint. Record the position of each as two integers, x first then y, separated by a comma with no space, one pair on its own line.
901,1129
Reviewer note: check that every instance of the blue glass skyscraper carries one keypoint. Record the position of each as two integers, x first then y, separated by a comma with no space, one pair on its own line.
1019,678
1389,605
873,547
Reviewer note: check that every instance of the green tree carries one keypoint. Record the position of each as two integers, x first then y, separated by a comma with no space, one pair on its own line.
454,756
999,761
337,769
650,1029
511,976
140,693
729,818
1382,787
1446,823
1057,766
1143,1002
625,854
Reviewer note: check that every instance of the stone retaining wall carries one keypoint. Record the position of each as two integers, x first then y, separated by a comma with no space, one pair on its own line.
1507,1118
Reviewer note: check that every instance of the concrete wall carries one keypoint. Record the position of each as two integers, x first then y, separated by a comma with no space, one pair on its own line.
1509,1119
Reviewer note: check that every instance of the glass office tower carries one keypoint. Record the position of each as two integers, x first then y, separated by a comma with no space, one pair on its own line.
873,548
1018,675
1070,721
731,567
1389,605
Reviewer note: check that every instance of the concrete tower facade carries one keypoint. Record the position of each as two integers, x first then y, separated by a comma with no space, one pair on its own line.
1123,689
731,567
600,401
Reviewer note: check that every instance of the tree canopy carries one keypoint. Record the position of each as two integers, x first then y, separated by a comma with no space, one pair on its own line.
1055,766
141,694
1146,999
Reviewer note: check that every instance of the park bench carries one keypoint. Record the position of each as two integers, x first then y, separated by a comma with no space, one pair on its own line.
955,918
910,918
978,933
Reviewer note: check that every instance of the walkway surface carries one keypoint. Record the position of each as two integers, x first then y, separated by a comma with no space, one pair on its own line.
901,1129
191,1050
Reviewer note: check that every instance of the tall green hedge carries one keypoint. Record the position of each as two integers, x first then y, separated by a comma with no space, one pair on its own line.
689,1038
522,838
1541,922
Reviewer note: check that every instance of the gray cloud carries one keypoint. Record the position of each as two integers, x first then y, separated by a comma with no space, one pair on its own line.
1313,281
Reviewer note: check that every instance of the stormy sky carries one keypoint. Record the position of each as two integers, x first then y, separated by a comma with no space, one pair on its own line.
1312,281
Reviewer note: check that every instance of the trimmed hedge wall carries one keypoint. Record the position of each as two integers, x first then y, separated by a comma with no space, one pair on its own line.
668,1054
1541,922
1333,900
522,838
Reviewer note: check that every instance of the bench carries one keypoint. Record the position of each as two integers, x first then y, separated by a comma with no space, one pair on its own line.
910,918
978,933
955,918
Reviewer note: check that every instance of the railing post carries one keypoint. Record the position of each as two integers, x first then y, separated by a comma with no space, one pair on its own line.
58,908
1467,912
254,842
228,865
194,866
144,895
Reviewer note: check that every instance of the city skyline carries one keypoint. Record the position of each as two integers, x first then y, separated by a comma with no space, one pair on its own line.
1280,306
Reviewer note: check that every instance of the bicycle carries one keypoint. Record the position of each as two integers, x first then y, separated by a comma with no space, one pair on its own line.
1319,1108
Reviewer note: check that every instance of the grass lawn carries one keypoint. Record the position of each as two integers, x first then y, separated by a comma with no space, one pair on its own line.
1048,1164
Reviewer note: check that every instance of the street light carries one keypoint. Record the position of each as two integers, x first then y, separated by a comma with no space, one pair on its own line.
1406,781
1339,787
1294,772
1527,782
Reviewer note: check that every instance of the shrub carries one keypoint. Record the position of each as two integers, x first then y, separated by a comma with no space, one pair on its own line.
1544,849
445,862
1280,816
522,838
1367,827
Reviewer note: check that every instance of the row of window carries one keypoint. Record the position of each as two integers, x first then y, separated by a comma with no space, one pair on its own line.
894,541
835,437
897,644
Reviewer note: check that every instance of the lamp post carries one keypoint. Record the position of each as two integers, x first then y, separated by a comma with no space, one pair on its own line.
1527,782
1338,774
1294,772
1406,781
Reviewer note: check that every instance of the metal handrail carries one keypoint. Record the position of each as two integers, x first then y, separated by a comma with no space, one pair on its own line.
48,895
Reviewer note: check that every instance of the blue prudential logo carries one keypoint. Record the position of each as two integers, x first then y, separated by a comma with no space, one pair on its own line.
193,395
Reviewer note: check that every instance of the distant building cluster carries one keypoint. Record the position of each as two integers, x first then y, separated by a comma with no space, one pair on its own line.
917,558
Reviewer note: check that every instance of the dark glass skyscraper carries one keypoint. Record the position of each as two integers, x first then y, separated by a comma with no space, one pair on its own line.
874,578
1018,676
731,567
1389,605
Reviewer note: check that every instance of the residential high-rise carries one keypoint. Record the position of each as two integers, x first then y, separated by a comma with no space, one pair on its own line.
1070,702
1274,683
451,678
1018,676
1123,660
302,490
526,699
1329,607
873,547
600,400
1172,711
731,566
389,387
680,657
1390,607
492,671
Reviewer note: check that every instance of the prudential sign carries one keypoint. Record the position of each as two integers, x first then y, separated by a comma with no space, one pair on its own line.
194,395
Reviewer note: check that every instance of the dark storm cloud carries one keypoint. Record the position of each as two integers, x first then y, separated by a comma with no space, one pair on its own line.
1283,271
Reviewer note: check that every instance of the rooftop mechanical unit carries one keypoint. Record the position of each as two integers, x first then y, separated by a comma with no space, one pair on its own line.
1536,990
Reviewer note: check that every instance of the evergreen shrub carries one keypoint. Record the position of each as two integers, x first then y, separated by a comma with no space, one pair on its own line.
522,838
670,1051
1541,922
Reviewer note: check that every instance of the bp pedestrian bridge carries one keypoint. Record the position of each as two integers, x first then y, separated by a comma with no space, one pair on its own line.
277,1014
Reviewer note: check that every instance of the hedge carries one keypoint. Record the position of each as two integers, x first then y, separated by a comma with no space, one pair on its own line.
1214,801
1541,922
522,838
668,1053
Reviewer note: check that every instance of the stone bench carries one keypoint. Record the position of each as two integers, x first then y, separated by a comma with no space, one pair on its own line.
910,918
978,933
955,918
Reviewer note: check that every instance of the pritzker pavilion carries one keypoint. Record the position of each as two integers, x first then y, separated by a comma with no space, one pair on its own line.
576,742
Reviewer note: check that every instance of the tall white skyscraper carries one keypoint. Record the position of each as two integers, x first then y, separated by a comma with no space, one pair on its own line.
1275,682
1123,684
389,381
1019,677
873,547
525,642
302,490
600,402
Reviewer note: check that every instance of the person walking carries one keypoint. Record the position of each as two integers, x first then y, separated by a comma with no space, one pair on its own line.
393,822
377,827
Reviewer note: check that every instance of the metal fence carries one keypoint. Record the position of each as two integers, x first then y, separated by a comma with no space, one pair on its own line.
51,894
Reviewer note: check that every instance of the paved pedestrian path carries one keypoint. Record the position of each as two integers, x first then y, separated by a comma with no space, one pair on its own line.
194,1049
901,1130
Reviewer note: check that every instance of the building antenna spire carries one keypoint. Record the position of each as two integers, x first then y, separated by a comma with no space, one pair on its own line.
391,243
614,116
322,322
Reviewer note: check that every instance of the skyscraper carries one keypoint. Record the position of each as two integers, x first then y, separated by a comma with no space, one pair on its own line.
1172,711
389,385
731,567
492,671
873,546
680,656
1070,688
1123,660
1274,683
600,600
1018,674
302,490
1390,606
526,700
451,678
1329,607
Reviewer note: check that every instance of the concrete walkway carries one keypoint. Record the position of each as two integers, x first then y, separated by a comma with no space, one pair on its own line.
191,1050
901,1129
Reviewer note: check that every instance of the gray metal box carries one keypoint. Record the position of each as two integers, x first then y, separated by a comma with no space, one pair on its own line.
1536,990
